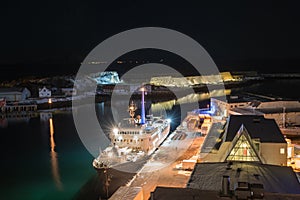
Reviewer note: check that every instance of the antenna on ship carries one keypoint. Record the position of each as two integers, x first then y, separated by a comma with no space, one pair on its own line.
131,109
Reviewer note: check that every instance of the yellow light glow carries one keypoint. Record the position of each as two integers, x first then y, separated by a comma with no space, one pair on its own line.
54,161
52,142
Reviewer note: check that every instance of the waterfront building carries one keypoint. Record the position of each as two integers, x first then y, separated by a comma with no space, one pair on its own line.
222,108
14,94
285,113
69,91
44,92
246,138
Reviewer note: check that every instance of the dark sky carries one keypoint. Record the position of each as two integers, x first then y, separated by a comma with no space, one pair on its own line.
258,34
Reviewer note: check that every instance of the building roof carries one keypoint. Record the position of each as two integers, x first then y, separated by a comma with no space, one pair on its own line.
11,90
278,110
261,111
257,126
167,193
275,179
211,138
245,111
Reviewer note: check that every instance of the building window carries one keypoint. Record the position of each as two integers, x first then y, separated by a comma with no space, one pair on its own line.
282,151
242,151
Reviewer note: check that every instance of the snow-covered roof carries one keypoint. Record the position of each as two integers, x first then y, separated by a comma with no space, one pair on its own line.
168,193
11,90
275,179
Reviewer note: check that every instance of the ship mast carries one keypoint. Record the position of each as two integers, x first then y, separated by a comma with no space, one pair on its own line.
131,109
143,106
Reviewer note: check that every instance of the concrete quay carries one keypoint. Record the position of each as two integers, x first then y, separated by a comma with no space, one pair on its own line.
162,168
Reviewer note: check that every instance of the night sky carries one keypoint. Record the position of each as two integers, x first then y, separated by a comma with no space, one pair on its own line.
246,35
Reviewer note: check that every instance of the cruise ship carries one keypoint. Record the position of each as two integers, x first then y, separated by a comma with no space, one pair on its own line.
134,139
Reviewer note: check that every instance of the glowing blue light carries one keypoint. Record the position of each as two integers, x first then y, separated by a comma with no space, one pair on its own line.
169,120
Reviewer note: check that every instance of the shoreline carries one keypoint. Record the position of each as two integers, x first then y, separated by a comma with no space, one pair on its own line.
163,94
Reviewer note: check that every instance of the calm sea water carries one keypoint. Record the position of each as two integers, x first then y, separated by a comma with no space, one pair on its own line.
44,159
284,88
35,165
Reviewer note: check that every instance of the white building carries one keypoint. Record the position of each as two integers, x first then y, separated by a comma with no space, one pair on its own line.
14,94
284,112
223,108
44,92
69,91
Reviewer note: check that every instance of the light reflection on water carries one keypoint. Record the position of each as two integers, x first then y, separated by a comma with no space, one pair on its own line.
43,158
191,98
54,161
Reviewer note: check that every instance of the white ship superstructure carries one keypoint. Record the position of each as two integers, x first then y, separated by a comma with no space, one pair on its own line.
133,139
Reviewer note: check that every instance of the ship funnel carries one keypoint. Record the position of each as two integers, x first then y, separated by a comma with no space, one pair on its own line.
143,106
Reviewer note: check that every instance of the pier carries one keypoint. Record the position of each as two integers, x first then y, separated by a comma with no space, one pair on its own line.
161,169
18,108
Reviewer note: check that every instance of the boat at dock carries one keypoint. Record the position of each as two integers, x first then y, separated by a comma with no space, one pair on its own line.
133,140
